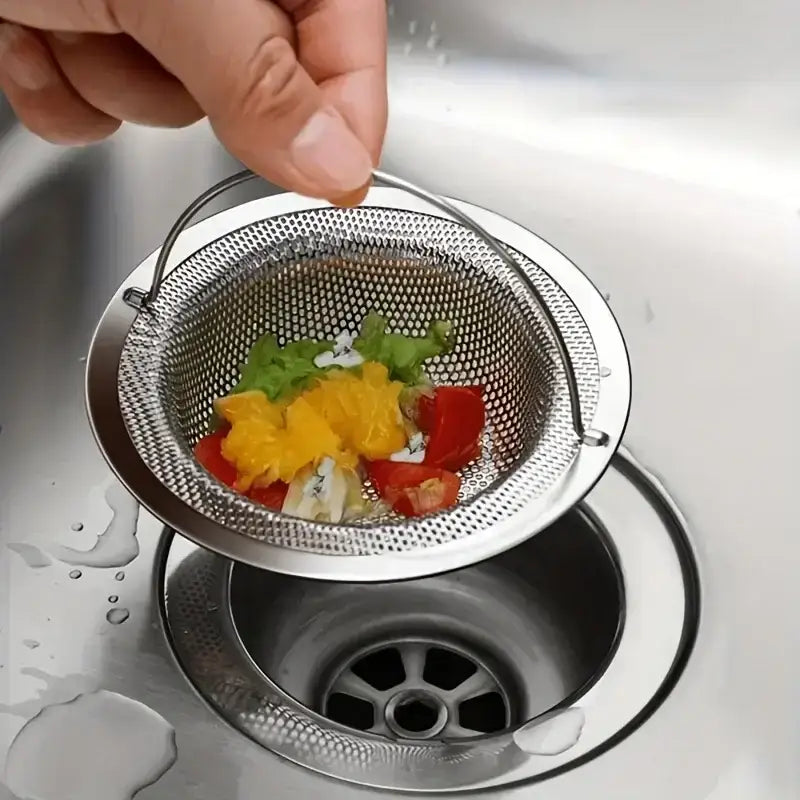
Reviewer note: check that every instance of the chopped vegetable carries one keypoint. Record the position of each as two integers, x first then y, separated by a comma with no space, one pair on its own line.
414,453
414,489
412,400
267,443
280,372
424,399
208,451
456,424
404,356
306,419
272,496
362,410
318,494
432,495
343,355
343,417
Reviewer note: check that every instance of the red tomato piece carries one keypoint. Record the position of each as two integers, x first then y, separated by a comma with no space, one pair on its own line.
426,416
271,496
208,451
459,417
386,475
414,489
435,494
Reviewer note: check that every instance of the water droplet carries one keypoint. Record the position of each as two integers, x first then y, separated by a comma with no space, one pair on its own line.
391,9
442,59
117,545
551,734
116,616
76,526
607,296
413,26
433,41
82,360
604,372
212,607
434,27
120,576
30,554
407,48
75,574
123,746
113,598
31,644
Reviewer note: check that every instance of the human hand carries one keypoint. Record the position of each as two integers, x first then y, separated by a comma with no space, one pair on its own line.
295,89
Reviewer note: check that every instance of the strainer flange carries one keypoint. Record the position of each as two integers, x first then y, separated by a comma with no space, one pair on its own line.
299,267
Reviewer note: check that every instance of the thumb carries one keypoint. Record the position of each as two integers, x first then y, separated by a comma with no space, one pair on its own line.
237,60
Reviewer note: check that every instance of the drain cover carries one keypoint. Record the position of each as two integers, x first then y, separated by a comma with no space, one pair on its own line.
416,689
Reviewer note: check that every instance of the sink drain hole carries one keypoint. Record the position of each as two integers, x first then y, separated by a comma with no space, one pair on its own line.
351,711
382,669
416,715
417,690
447,669
485,713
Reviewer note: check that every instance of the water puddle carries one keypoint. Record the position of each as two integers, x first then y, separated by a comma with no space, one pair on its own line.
123,746
30,554
31,644
117,546
55,690
552,734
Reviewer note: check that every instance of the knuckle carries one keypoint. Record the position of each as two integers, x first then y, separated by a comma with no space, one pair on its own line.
270,80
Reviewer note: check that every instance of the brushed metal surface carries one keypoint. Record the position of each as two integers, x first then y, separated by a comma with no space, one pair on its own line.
656,144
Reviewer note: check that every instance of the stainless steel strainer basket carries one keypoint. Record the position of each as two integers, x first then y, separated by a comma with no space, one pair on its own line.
529,326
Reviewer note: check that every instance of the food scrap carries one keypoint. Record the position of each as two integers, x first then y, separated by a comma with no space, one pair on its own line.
309,423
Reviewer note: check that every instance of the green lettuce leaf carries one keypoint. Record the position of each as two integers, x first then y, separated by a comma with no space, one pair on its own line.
280,372
404,356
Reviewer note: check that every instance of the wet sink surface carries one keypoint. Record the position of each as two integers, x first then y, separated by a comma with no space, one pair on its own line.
668,175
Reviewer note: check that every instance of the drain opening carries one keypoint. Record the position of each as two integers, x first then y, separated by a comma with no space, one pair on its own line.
417,715
350,711
447,669
417,690
485,713
382,669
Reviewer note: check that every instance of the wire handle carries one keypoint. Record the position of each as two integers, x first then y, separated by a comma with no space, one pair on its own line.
139,298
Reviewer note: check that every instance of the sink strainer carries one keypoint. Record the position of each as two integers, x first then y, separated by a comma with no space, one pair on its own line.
529,326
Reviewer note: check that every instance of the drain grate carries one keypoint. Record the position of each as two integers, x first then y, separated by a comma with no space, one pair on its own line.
417,689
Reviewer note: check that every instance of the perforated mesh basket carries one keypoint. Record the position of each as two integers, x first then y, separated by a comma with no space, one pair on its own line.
319,271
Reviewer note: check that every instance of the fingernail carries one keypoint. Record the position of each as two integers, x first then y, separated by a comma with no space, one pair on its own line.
20,60
327,153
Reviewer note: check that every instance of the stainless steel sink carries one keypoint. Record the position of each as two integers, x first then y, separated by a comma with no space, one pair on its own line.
656,147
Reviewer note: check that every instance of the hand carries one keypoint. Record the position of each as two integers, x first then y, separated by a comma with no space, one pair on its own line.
296,89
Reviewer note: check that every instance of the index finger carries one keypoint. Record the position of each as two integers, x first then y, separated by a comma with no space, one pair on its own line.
342,45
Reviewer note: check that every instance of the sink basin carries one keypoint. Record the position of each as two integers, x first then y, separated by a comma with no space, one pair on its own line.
655,147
